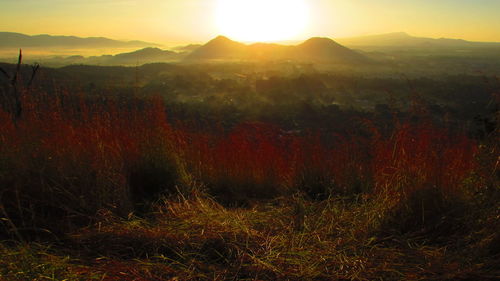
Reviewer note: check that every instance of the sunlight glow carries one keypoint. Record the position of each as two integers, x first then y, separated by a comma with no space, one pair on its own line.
262,20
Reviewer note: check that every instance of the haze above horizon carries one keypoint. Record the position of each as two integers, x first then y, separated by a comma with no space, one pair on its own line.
251,21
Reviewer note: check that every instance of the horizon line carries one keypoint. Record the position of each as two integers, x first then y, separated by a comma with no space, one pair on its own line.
290,41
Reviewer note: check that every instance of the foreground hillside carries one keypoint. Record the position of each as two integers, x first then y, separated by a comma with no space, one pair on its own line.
96,187
286,239
73,203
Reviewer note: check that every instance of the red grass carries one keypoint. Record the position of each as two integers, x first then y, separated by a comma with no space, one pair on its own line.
85,150
262,156
422,156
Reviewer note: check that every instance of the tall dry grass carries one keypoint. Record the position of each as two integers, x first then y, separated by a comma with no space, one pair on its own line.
68,156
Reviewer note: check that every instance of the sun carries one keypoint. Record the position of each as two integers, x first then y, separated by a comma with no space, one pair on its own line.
261,20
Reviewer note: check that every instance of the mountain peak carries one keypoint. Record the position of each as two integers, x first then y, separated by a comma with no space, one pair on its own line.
326,49
223,41
319,39
221,38
216,48
319,43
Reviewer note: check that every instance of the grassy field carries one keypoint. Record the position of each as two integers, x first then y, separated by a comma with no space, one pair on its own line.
112,189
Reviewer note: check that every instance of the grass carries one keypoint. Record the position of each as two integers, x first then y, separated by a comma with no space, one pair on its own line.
109,189
198,239
39,262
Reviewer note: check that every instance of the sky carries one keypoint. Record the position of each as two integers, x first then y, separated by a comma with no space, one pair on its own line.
165,21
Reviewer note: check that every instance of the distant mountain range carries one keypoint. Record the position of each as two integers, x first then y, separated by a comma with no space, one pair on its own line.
316,50
18,40
319,50
397,39
313,50
404,40
223,49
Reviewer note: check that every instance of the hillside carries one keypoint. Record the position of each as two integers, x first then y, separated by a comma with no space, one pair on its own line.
169,172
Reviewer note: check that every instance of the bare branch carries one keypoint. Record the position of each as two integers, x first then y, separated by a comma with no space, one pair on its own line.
5,73
18,68
34,69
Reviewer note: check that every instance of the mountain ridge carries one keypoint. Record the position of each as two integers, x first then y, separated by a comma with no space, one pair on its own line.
403,39
20,40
